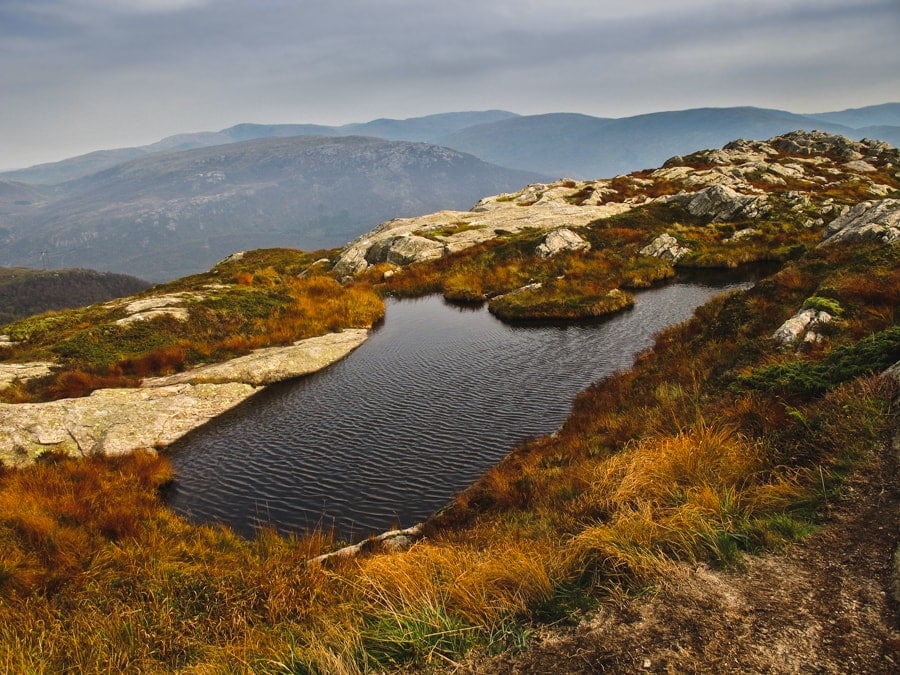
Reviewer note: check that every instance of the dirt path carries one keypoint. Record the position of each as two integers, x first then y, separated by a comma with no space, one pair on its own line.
823,606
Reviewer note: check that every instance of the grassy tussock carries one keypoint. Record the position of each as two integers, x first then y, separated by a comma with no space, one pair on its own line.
671,498
438,601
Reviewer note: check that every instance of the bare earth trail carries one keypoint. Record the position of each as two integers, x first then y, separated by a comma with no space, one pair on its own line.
823,606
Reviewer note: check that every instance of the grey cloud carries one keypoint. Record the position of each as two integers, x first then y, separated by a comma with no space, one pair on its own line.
145,68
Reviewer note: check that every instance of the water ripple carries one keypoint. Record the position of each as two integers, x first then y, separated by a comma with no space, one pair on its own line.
390,434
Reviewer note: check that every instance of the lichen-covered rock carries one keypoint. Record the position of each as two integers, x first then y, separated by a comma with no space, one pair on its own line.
273,364
860,166
561,240
10,372
352,261
721,203
112,421
405,240
804,324
740,235
667,247
404,249
867,221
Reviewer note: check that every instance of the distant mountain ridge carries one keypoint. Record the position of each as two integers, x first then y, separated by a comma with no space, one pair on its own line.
587,147
885,114
554,143
414,129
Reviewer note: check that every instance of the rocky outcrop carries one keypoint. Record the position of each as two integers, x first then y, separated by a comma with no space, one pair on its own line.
730,184
667,247
404,249
803,325
823,143
112,421
561,240
272,364
805,160
541,206
867,221
115,421
145,309
721,203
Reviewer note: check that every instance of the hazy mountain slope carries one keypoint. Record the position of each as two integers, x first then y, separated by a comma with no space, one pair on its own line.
588,147
14,195
886,114
413,129
561,142
172,214
556,143
428,128
24,292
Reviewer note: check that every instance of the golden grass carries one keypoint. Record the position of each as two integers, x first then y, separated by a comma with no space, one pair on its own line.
666,498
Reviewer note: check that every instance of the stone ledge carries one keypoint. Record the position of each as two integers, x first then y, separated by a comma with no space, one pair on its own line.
117,421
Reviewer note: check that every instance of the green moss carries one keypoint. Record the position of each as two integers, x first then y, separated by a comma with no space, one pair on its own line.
448,231
801,377
820,304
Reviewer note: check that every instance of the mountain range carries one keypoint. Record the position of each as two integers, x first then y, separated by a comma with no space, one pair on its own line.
170,214
177,206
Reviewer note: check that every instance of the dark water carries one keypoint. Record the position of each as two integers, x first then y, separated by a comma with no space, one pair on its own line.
388,435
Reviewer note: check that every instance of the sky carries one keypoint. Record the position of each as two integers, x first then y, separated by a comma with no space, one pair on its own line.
84,75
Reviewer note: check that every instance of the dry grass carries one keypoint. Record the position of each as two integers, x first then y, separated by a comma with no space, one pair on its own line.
667,499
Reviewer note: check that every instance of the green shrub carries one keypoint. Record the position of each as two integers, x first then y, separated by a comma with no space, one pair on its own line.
821,304
807,378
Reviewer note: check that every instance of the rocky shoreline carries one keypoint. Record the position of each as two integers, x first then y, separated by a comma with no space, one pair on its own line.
163,409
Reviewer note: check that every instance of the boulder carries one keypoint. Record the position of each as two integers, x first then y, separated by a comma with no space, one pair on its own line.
746,233
352,261
404,250
803,324
666,246
721,203
860,166
867,221
561,240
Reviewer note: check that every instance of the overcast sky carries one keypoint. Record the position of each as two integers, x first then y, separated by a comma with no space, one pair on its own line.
82,75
